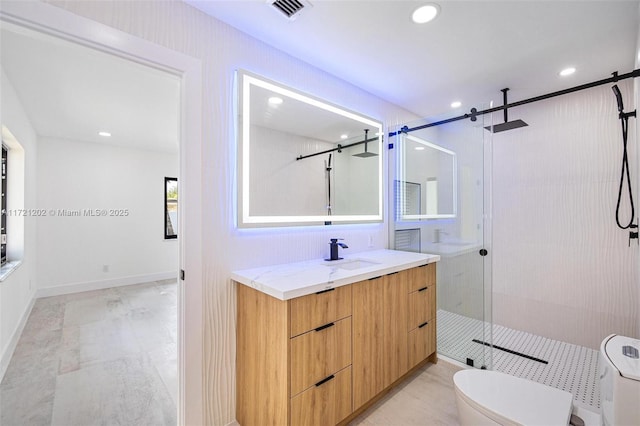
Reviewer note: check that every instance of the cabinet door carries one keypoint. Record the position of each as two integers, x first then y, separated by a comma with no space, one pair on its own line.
368,342
422,342
395,326
327,403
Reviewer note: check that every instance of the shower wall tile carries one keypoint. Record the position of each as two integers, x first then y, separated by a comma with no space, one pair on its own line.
222,50
561,267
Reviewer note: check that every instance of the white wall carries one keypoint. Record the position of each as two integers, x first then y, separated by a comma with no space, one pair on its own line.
16,292
561,267
222,50
128,183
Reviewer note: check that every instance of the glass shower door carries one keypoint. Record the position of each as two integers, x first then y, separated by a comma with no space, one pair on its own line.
440,200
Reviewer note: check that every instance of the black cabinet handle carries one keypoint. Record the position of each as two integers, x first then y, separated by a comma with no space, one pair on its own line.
422,325
422,289
422,266
323,381
393,273
325,291
322,327
375,278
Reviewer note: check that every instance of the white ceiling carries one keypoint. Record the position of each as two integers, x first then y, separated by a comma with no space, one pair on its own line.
72,92
468,53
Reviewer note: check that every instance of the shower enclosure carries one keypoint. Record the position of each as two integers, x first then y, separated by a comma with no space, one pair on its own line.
442,207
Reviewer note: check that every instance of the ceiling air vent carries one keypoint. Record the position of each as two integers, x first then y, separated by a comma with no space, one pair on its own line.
291,9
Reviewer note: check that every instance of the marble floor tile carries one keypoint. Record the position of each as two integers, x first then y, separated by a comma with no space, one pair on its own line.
104,357
126,391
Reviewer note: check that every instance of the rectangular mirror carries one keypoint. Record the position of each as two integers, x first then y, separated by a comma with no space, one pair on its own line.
427,184
304,161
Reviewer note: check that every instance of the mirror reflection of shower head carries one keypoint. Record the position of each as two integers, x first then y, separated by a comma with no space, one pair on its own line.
616,91
366,153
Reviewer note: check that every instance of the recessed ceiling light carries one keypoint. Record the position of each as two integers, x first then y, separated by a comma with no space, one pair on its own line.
104,134
274,100
425,13
456,104
567,71
419,148
343,136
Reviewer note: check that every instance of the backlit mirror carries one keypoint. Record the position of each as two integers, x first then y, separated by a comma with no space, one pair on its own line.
302,160
426,188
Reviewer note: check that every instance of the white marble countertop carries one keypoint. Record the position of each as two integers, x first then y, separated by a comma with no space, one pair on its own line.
292,280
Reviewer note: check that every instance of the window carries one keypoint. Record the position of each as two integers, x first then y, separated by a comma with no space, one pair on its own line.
170,208
3,208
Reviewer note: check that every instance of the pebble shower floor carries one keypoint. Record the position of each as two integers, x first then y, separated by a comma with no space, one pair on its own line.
571,368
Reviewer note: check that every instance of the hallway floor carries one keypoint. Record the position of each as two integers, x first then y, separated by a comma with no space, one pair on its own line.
99,357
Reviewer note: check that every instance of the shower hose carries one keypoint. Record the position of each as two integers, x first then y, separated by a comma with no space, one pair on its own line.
624,120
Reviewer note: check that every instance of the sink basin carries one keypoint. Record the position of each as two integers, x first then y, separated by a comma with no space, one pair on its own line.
351,265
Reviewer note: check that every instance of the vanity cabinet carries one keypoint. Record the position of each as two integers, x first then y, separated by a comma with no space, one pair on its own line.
321,358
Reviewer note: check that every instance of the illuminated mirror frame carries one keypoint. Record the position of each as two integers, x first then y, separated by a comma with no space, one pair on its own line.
245,81
401,178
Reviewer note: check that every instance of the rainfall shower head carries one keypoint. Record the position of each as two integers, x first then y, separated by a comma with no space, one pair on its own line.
507,125
366,153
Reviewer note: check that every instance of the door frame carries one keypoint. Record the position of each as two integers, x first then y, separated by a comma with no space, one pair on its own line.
60,23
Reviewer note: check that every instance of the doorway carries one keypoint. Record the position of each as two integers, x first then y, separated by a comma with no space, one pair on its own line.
48,19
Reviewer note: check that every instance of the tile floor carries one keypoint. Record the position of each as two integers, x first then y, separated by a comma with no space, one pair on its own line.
571,368
105,357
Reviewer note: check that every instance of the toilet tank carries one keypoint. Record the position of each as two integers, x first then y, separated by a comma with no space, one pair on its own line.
620,380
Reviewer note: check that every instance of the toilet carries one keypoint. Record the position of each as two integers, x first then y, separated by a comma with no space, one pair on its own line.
488,397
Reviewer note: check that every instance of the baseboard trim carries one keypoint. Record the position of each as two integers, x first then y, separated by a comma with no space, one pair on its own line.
11,347
102,284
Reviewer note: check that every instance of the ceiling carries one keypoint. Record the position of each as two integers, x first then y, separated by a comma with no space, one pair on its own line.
468,53
72,92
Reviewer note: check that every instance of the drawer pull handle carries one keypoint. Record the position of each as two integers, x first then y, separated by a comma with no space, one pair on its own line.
322,327
375,278
422,325
422,266
325,291
423,288
323,381
393,273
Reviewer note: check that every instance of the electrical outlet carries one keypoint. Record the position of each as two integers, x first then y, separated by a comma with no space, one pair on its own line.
370,241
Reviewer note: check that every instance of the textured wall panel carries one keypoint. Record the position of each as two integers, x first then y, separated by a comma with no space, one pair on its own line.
222,50
561,267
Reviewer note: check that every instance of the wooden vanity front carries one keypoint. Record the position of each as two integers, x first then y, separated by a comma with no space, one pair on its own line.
322,358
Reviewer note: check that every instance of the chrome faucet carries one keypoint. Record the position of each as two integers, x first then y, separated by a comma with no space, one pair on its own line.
437,234
334,248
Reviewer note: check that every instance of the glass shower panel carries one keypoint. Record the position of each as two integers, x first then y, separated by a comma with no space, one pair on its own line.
440,200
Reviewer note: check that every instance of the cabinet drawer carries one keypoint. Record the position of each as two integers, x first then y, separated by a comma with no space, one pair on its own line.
319,353
325,404
312,311
422,276
422,343
422,306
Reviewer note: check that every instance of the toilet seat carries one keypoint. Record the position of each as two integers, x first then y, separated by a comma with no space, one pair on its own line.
510,400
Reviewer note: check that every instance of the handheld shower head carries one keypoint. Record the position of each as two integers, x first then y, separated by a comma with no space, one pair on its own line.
616,91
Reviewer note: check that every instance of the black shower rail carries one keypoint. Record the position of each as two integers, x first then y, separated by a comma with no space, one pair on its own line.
474,113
